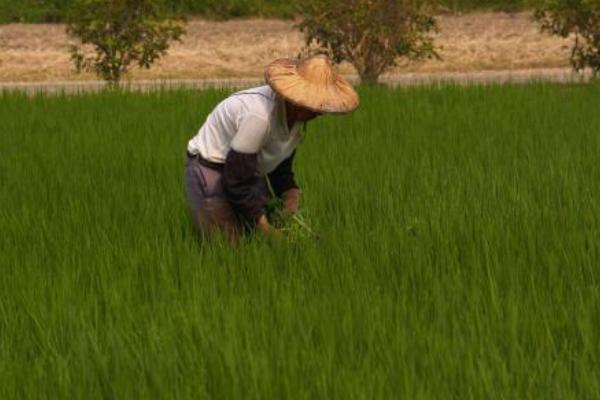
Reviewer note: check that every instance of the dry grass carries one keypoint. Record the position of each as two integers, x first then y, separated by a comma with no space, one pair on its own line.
240,48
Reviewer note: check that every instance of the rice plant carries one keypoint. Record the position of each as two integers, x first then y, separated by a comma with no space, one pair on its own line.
456,257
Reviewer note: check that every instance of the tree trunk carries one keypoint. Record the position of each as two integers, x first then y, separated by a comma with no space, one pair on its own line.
369,72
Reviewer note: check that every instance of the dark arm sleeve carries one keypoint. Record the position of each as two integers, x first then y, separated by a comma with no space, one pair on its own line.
243,188
282,178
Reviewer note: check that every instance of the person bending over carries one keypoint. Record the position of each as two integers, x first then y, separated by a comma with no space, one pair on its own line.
252,135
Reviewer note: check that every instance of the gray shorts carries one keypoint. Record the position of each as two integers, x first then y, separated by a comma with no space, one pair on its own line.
210,209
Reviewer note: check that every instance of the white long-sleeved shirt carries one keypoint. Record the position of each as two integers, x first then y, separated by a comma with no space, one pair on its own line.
250,121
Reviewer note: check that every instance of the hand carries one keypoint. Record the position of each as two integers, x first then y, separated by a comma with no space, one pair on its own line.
267,229
291,200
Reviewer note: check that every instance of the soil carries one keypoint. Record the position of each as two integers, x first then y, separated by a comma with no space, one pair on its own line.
482,41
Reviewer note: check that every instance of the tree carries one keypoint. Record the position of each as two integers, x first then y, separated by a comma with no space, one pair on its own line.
370,34
123,33
577,18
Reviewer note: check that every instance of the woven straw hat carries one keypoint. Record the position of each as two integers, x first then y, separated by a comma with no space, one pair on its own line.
311,83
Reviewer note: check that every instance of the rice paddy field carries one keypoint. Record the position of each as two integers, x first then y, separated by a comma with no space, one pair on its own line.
457,257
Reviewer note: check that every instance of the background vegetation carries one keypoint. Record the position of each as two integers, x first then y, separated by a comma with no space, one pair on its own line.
55,10
579,19
458,255
123,34
370,34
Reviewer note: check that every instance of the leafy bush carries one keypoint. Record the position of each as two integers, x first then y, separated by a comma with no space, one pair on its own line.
216,9
224,9
123,33
577,18
33,10
495,5
370,34
57,10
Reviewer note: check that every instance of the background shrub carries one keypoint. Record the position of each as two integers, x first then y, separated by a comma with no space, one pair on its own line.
33,10
496,5
223,9
56,10
370,34
577,18
122,32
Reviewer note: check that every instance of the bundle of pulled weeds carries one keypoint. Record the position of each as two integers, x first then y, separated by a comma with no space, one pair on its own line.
293,227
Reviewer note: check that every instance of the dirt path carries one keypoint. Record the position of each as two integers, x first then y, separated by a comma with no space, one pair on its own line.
240,49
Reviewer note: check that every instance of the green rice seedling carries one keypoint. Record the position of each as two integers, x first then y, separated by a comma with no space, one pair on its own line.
458,253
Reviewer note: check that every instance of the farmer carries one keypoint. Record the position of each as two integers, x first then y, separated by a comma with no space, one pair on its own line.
252,135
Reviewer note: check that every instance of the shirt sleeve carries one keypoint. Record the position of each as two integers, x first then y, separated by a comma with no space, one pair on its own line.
243,187
282,177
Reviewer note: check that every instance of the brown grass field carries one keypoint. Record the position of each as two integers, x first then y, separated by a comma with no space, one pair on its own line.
240,48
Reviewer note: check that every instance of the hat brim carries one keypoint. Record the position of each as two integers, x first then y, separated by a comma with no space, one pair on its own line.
338,97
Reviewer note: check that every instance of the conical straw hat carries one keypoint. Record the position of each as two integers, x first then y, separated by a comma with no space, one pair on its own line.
311,83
